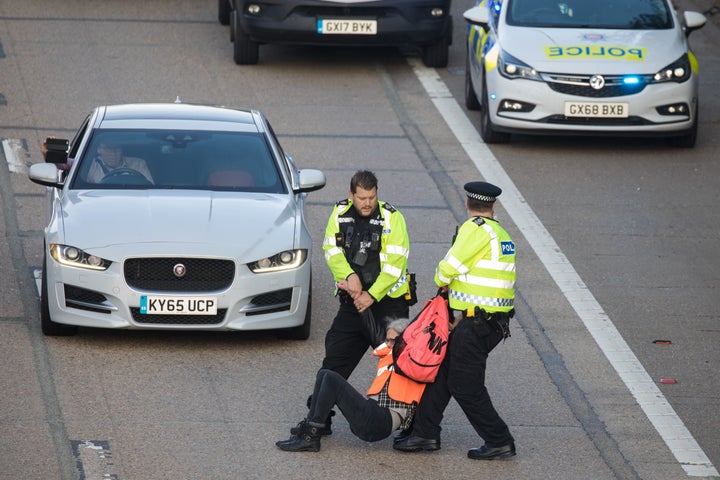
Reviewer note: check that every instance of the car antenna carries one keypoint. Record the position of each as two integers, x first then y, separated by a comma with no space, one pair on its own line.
177,99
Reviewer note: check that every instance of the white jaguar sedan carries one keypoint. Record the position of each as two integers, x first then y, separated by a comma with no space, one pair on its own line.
616,67
175,216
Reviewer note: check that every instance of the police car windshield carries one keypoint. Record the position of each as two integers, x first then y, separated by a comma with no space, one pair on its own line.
614,14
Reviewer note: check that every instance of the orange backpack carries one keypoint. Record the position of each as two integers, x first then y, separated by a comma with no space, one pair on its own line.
421,348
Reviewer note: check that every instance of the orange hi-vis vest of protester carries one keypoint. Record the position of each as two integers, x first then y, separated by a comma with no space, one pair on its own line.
401,389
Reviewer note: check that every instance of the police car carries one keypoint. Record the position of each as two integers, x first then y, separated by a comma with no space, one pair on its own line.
617,67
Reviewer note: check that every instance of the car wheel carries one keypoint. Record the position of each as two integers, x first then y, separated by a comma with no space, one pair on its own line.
49,327
233,21
487,130
471,100
436,55
301,332
245,51
688,140
224,12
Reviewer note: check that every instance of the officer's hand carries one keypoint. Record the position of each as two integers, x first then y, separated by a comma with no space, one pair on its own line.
363,301
354,286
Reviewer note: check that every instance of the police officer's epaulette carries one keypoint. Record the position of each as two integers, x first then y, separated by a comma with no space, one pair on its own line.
389,207
478,221
343,202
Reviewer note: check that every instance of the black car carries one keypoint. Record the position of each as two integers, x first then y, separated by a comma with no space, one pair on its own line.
426,24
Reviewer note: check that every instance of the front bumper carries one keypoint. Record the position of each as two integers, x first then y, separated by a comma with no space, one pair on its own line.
548,107
399,22
103,299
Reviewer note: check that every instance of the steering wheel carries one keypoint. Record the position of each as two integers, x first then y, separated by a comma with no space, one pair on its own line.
125,175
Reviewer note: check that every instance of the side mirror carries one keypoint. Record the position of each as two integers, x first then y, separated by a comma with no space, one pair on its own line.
310,180
693,21
45,174
478,16
56,150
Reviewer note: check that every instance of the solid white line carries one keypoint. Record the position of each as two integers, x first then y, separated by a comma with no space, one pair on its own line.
660,413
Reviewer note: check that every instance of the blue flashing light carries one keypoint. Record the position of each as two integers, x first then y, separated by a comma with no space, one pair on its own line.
493,96
631,80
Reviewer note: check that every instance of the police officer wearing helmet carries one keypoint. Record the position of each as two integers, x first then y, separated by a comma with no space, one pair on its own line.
478,272
366,247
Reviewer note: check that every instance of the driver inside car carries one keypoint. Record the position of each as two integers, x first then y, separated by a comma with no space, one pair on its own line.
111,161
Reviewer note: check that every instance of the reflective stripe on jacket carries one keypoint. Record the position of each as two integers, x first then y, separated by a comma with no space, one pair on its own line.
402,389
394,251
479,268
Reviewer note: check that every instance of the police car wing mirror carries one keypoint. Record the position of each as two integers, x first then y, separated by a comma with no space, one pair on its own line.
310,180
693,21
477,16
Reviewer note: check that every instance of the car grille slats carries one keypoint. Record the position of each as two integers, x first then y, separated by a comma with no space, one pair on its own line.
579,85
162,274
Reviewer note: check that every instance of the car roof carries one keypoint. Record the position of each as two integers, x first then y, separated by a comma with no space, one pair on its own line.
153,115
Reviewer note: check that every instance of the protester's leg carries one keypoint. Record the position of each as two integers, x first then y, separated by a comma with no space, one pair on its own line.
467,382
345,341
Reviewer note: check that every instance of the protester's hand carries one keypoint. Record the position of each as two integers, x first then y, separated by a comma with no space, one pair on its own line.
363,301
354,286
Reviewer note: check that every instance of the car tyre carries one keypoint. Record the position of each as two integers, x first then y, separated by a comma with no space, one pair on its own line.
688,140
437,54
224,12
301,332
233,20
49,327
245,51
471,100
487,130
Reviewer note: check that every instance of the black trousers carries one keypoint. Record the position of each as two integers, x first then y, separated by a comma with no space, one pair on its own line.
462,376
347,341
368,420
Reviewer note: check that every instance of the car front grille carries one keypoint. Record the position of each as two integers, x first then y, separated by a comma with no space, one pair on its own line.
596,122
161,274
579,85
178,319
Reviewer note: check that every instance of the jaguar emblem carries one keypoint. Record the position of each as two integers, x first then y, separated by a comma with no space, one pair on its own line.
179,270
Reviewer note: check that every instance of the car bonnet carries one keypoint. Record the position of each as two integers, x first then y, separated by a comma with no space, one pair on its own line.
119,224
588,51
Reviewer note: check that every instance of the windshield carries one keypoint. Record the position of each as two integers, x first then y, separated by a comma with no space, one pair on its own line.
181,159
615,14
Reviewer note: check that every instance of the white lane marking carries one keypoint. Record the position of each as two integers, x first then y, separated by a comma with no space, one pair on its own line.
672,430
14,153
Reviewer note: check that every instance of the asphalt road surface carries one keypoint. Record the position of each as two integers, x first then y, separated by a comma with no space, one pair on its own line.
617,239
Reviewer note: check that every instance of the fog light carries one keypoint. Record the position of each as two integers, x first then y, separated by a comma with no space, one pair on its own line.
515,106
253,9
437,12
681,109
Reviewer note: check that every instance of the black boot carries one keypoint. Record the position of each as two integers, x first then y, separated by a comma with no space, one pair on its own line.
306,440
325,430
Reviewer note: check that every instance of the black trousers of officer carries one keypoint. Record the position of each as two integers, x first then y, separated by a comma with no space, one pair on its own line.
462,376
347,341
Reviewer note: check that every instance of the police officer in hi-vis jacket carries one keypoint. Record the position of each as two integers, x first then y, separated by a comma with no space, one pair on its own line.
478,273
366,246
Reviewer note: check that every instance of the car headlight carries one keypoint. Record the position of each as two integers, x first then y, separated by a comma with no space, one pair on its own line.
74,257
678,71
286,260
511,67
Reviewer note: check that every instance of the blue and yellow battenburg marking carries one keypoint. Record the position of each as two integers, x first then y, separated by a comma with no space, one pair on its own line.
555,52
